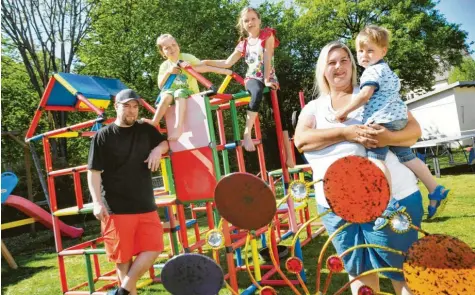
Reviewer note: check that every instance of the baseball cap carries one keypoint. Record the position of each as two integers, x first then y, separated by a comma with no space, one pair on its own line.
126,95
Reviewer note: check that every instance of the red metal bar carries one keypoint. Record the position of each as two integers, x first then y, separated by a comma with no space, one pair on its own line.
230,257
89,104
198,77
280,139
238,78
240,158
302,99
62,274
37,115
67,171
279,282
282,154
216,101
53,208
269,274
182,222
151,272
77,287
49,179
197,245
209,215
60,108
97,266
260,150
107,286
88,133
238,104
307,218
85,244
147,106
222,96
78,189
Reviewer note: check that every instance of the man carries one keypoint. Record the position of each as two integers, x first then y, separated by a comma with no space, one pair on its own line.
121,158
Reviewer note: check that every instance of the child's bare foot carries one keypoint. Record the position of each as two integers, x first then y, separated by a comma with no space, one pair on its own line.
290,162
177,132
248,144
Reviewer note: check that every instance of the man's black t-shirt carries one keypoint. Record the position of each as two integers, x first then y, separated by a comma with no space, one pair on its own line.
120,153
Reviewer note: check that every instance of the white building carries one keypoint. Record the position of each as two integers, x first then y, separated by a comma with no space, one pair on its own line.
449,110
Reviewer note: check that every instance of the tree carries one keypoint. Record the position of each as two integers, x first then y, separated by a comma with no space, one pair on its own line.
18,98
122,44
464,72
422,39
38,29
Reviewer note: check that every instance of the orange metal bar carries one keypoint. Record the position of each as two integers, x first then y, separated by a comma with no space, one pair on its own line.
37,115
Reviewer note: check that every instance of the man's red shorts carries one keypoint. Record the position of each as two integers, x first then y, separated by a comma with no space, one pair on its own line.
126,235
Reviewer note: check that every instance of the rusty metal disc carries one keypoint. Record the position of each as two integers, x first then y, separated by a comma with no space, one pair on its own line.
356,189
245,201
440,264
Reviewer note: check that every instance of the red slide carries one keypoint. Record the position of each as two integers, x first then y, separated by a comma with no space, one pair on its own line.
40,215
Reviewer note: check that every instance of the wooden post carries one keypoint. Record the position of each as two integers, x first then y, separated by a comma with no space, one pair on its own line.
8,257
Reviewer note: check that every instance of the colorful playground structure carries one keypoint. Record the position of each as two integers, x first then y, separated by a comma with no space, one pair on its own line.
196,162
244,217
36,213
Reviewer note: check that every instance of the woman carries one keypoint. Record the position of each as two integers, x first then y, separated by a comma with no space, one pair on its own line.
324,141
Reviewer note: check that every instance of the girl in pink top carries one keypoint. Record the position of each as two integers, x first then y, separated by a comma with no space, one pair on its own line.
257,47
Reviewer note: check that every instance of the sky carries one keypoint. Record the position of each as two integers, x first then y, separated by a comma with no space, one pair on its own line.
455,11
461,12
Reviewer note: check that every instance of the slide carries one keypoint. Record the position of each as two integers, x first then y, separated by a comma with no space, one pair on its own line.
41,215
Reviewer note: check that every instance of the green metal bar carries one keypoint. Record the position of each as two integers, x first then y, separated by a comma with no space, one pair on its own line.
227,170
171,182
243,94
171,187
214,150
210,122
214,108
236,134
95,251
90,277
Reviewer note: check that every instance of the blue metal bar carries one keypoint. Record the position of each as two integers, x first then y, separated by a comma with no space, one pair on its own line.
167,85
230,146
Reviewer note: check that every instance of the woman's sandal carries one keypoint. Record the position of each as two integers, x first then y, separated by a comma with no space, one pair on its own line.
440,195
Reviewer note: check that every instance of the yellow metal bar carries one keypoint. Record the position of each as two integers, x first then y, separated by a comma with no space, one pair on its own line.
246,261
255,260
245,99
164,174
225,83
144,283
66,134
65,84
67,211
18,223
302,176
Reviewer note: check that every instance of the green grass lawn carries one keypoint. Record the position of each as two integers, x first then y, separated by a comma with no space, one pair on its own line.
38,272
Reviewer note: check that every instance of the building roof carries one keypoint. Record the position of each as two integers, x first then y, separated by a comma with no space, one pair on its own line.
442,89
